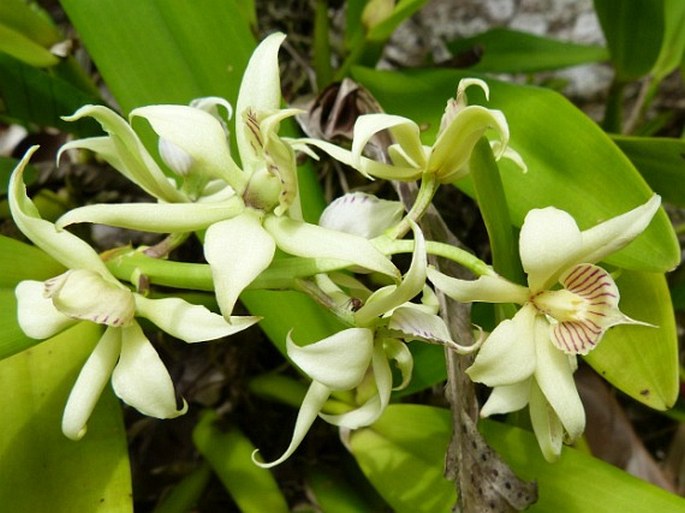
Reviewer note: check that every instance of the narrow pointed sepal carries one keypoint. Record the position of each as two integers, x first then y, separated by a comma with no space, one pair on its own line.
190,323
90,383
491,289
311,241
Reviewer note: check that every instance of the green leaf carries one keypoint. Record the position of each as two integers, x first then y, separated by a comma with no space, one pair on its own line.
673,44
634,32
642,361
661,161
403,455
19,261
502,50
27,33
334,494
229,453
572,163
31,95
188,52
183,497
577,482
43,470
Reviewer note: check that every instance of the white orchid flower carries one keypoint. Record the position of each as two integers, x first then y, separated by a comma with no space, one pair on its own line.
358,358
243,228
87,291
461,127
530,359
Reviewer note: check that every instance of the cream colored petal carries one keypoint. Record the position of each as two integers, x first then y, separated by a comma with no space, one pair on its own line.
368,413
85,295
455,143
140,378
398,351
489,289
64,247
311,406
190,323
200,135
507,398
339,361
615,233
554,376
405,132
549,239
361,214
411,285
546,425
37,316
312,241
237,251
90,383
508,355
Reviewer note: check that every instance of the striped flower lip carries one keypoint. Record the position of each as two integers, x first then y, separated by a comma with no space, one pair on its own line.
583,310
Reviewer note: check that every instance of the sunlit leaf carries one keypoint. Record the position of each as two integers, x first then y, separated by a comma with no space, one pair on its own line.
407,445
502,50
572,163
633,31
576,482
639,360
19,261
41,469
27,33
661,161
673,44
229,452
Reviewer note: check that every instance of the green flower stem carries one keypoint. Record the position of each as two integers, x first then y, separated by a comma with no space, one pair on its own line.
461,257
427,189
492,202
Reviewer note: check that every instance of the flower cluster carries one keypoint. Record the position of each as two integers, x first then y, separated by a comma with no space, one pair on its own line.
245,210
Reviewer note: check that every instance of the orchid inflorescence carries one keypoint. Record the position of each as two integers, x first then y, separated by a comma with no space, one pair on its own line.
245,211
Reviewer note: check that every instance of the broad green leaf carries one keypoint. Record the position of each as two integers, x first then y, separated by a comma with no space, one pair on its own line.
403,456
502,50
577,482
429,368
661,161
188,51
642,361
334,494
572,163
31,95
30,20
19,261
183,497
634,32
41,469
673,44
27,33
229,453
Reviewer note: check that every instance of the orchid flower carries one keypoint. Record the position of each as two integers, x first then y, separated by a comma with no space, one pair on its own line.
358,358
87,291
447,159
257,212
530,359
